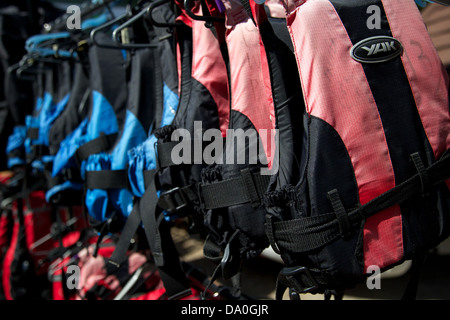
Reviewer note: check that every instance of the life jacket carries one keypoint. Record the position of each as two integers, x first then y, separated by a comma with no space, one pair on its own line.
265,97
204,104
104,198
99,282
98,132
57,86
64,188
142,158
37,230
154,178
372,190
18,147
18,21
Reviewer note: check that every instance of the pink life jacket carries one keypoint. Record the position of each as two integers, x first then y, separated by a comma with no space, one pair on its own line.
376,139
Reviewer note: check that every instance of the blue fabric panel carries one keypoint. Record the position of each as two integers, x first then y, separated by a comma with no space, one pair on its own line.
101,120
132,135
39,101
170,106
40,164
143,157
48,115
64,158
67,185
16,161
119,199
16,139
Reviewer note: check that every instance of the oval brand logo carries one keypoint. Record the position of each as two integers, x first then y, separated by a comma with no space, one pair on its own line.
376,49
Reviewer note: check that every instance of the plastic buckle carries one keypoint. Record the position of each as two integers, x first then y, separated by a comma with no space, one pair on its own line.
294,278
172,195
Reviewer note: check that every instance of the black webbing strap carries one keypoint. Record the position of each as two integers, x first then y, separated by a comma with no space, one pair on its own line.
159,239
72,174
248,187
161,244
16,153
424,178
131,225
178,198
107,179
339,210
164,153
100,144
309,233
129,230
33,133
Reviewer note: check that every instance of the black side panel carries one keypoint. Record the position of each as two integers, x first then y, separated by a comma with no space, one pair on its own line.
145,86
168,67
202,107
184,35
288,103
196,104
108,76
75,111
248,220
329,167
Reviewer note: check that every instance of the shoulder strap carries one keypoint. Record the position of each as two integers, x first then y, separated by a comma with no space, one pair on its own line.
160,241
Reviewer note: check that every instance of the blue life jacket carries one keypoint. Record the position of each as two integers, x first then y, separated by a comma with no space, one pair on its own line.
98,131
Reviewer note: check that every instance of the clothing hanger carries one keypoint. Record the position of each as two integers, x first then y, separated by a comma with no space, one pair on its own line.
150,9
106,26
126,19
86,10
44,45
118,30
52,44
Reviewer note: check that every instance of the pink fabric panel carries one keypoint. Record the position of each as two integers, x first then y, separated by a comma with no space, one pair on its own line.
248,75
208,67
336,91
178,67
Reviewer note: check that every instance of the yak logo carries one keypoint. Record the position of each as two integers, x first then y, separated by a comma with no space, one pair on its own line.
376,49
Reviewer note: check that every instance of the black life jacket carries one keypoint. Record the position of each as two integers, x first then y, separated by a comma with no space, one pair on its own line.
266,96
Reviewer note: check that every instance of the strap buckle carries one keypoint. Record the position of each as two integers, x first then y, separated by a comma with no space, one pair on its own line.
170,200
299,279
